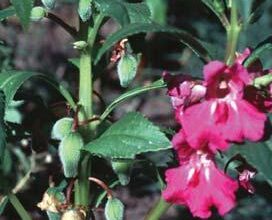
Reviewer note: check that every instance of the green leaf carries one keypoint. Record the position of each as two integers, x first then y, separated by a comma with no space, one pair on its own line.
131,135
114,209
122,169
138,12
127,95
12,114
2,126
11,81
7,12
217,6
124,13
137,28
158,9
258,155
259,49
23,10
3,203
250,10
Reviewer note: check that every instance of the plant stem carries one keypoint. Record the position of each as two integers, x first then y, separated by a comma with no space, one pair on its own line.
19,207
158,210
82,185
233,33
87,34
71,30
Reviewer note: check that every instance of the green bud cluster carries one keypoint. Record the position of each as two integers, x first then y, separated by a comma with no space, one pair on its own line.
70,146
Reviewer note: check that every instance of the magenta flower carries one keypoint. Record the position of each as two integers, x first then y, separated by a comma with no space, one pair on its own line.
198,184
220,114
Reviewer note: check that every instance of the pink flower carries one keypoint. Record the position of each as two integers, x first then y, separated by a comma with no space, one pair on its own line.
183,90
222,115
198,184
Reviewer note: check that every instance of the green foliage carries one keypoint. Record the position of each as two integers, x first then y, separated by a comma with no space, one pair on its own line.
158,9
127,95
127,69
7,12
124,13
2,127
137,28
62,128
114,209
3,203
250,10
122,168
258,155
85,9
69,152
23,10
217,6
49,4
258,50
131,135
11,81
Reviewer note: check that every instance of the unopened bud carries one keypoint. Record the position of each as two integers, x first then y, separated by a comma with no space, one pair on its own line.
114,209
69,152
37,13
85,9
73,214
127,69
62,127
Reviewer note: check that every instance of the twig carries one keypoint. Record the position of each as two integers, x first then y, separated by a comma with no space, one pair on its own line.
103,185
71,30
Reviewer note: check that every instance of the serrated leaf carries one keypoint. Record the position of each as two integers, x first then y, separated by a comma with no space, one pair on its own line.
258,50
114,209
7,12
131,135
3,203
137,28
124,13
23,10
258,155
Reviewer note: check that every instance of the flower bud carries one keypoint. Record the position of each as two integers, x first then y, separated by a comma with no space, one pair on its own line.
62,127
114,209
80,45
69,152
49,4
85,9
37,13
73,214
122,168
127,69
